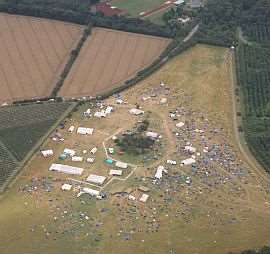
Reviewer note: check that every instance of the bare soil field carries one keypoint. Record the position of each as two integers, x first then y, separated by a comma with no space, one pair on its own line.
33,51
218,205
108,58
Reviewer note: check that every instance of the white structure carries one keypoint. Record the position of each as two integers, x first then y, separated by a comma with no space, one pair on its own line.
159,172
131,197
66,169
163,101
136,112
144,197
180,125
90,160
66,187
47,153
199,131
111,150
184,20
87,113
93,150
71,129
96,179
120,164
100,114
179,2
190,149
69,152
85,131
115,172
119,101
171,162
188,161
151,134
77,158
92,192
108,110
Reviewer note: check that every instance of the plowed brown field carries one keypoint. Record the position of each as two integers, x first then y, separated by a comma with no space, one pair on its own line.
32,53
109,57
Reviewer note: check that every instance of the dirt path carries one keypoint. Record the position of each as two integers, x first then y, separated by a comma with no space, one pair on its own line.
160,8
191,33
241,36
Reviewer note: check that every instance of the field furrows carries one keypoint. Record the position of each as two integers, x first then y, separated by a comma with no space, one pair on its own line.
32,54
108,58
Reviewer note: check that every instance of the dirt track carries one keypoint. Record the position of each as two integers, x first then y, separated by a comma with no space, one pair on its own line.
108,58
32,54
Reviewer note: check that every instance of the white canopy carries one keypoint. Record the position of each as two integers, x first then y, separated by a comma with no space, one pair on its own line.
96,179
47,153
69,152
115,172
144,197
85,131
92,192
120,164
188,161
66,169
159,172
135,111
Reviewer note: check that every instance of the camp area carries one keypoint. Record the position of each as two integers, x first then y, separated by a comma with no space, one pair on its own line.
152,182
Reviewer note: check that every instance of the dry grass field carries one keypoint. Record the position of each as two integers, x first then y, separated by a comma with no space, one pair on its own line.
224,208
33,52
108,58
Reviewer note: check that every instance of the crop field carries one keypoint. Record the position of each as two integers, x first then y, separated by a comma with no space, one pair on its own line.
258,32
33,53
108,58
21,129
135,7
218,205
254,75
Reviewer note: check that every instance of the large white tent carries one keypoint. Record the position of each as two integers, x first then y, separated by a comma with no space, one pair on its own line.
66,169
85,131
96,179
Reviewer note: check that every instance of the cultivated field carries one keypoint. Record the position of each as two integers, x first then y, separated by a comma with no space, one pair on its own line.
108,58
218,205
33,53
21,129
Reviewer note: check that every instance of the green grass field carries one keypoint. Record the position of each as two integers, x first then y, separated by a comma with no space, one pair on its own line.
157,18
135,7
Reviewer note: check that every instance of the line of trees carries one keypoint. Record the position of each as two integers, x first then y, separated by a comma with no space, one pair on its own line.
73,56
